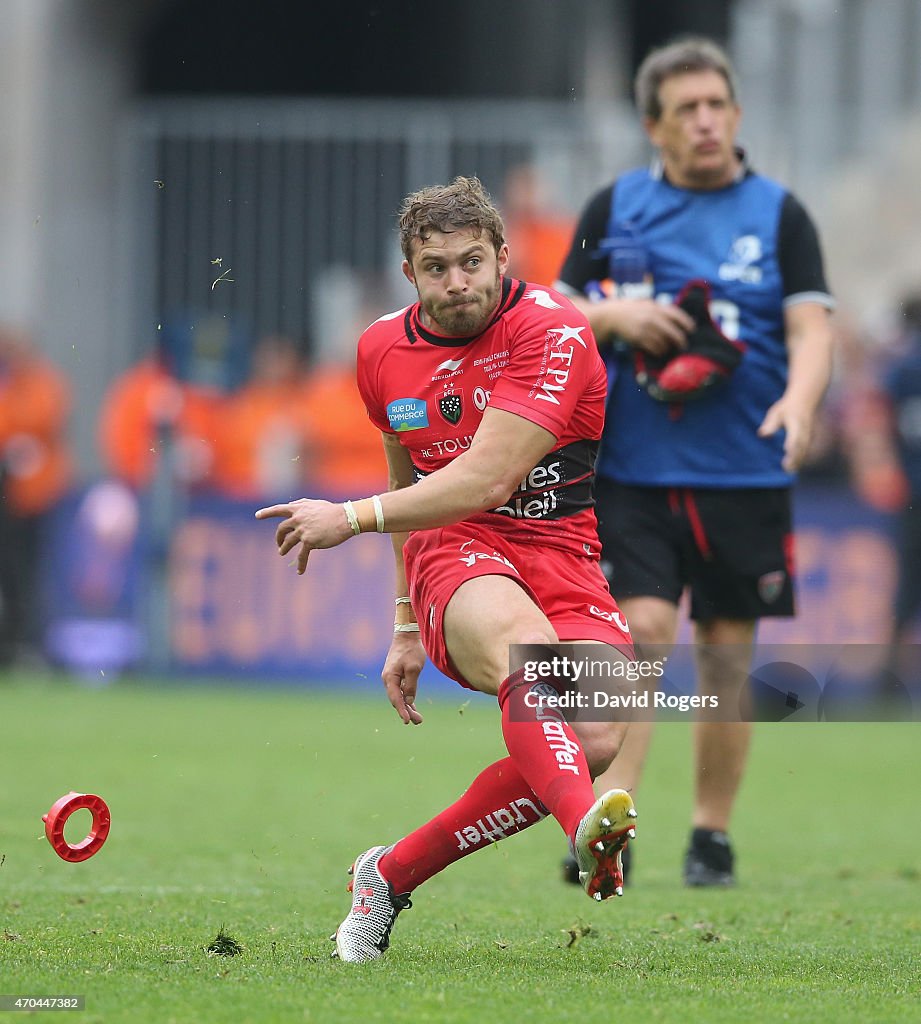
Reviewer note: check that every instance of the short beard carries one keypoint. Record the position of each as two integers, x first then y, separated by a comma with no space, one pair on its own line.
460,322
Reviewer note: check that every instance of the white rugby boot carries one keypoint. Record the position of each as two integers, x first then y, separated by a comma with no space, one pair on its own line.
599,841
365,933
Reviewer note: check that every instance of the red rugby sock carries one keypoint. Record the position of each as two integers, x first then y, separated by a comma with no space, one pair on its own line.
498,803
547,753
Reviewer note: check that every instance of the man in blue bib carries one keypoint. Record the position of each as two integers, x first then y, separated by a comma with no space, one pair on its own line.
704,285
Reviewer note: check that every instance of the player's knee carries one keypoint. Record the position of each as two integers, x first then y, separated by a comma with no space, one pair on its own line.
530,642
513,644
538,636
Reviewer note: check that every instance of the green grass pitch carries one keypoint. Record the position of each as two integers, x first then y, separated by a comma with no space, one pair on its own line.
240,809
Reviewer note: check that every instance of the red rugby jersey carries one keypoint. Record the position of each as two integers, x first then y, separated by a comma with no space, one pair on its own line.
537,358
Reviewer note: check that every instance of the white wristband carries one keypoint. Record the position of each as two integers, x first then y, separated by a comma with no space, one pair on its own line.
406,627
378,512
352,517
403,600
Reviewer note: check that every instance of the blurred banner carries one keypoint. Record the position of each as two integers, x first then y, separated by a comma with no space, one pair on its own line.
237,606
91,581
217,599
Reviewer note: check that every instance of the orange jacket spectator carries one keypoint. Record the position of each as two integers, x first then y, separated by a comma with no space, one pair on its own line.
346,452
538,234
34,408
265,427
537,247
141,402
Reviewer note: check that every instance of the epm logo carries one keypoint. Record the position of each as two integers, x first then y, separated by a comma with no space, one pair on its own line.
561,349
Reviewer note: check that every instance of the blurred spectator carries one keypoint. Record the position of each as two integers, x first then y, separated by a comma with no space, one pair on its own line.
345,452
885,449
287,428
262,443
36,472
147,409
537,233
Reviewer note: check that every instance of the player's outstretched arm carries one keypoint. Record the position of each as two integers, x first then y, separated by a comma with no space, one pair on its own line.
504,449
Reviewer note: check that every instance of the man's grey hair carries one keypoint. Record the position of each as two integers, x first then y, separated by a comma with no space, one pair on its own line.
694,53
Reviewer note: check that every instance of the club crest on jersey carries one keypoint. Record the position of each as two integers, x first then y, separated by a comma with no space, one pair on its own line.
451,408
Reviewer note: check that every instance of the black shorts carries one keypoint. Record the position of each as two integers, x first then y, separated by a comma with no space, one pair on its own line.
908,589
732,548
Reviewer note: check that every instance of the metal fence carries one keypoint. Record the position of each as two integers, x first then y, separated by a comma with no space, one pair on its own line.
252,208
244,207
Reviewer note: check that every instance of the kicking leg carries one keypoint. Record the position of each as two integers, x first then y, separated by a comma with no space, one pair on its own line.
653,625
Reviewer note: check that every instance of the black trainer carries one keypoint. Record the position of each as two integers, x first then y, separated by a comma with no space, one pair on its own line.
709,859
570,866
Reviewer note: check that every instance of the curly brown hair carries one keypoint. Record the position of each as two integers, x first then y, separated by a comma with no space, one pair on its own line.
462,205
